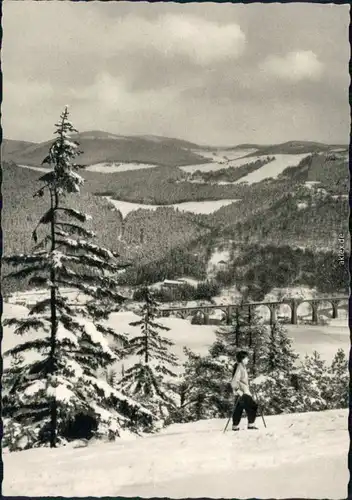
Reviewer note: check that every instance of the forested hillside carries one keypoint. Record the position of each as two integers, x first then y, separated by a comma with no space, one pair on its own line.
143,236
306,220
262,267
156,186
305,210
330,170
21,211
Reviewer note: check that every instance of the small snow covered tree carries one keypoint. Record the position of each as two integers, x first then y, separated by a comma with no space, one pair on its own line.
205,392
338,389
71,345
280,353
315,382
275,394
148,379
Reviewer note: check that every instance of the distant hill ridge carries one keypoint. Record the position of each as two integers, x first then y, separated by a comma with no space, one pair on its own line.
99,147
10,146
293,147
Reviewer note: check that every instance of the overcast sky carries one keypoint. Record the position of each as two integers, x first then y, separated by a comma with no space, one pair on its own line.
209,73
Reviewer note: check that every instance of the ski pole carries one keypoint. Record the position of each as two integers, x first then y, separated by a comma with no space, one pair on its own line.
261,414
233,411
260,408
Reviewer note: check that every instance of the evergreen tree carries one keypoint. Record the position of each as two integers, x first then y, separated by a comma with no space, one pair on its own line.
319,388
315,383
280,353
111,376
257,343
245,332
274,388
148,379
71,344
275,394
338,390
205,390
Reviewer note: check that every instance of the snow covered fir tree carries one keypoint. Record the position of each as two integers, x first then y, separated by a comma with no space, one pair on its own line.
149,379
339,381
203,389
53,378
275,387
246,331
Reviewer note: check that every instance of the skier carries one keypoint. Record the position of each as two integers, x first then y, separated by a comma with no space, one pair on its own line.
240,387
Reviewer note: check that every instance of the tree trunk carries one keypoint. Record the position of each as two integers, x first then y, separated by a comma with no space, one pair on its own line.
53,318
146,354
237,329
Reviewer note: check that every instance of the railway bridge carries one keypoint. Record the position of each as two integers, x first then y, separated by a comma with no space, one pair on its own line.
273,306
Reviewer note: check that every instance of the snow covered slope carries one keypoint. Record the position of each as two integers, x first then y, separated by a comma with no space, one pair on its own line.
297,456
272,169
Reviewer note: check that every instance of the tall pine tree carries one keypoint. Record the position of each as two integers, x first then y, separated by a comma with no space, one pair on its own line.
148,379
71,345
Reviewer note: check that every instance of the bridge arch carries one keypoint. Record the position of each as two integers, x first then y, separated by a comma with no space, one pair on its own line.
264,311
306,308
200,317
219,316
284,312
339,307
328,309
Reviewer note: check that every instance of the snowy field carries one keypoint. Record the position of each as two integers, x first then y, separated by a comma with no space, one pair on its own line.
306,338
272,169
38,169
197,207
108,168
220,159
105,168
296,456
223,155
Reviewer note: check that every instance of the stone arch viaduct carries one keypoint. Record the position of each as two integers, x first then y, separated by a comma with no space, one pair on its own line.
230,309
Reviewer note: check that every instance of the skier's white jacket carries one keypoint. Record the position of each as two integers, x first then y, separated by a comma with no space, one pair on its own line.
239,382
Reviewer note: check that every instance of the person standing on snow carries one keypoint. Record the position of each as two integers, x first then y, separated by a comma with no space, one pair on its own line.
240,387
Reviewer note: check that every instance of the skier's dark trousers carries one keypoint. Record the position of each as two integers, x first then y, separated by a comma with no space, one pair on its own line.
240,387
245,402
